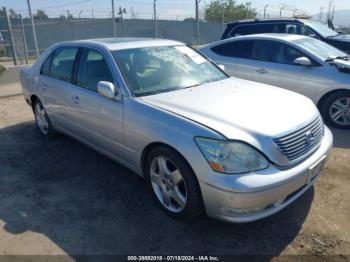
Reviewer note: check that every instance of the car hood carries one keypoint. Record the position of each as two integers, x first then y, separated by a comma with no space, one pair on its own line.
342,65
238,108
343,38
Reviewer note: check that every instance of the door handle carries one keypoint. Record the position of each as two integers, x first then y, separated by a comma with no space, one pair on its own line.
44,86
262,71
76,99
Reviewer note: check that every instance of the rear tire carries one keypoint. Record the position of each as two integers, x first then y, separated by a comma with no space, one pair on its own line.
42,120
173,183
335,109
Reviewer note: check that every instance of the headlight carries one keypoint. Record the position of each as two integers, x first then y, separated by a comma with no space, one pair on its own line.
231,157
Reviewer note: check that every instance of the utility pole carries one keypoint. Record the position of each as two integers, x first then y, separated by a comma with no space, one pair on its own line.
155,18
113,21
197,21
33,28
25,49
265,7
13,48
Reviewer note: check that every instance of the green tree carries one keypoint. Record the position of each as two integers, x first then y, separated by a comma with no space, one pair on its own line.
13,14
40,14
232,11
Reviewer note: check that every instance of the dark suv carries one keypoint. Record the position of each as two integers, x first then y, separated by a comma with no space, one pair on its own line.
289,26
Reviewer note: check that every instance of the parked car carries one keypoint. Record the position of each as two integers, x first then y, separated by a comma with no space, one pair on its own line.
306,27
237,149
298,63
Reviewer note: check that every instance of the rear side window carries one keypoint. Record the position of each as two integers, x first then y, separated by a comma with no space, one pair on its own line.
45,69
251,29
63,63
237,49
92,69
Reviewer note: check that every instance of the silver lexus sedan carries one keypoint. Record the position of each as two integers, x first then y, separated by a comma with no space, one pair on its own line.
299,63
204,142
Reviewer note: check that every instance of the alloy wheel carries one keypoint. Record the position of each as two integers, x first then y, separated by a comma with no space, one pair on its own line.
168,184
41,118
339,111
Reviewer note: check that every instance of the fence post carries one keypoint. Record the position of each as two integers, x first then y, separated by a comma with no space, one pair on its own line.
8,22
33,28
155,18
113,21
24,40
70,24
197,21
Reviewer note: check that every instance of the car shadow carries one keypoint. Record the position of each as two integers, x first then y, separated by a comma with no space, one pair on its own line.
341,138
89,205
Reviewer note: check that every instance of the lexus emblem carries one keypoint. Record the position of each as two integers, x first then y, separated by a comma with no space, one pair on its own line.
310,137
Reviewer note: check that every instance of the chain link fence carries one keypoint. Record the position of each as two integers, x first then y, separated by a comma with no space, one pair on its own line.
17,41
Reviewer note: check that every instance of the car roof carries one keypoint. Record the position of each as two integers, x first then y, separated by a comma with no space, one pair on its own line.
120,43
270,36
266,20
286,37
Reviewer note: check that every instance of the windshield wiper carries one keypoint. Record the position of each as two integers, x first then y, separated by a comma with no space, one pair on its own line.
332,58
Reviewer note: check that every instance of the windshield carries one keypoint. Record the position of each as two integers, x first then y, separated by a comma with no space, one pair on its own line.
320,28
153,70
318,48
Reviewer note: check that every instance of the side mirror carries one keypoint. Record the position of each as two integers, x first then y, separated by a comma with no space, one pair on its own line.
107,89
222,67
302,61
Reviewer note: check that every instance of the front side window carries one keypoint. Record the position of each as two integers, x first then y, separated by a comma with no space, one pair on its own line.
275,52
297,29
237,49
318,48
153,70
63,63
92,69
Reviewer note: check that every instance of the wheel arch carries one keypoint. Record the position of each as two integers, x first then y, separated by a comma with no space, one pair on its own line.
154,145
33,98
324,96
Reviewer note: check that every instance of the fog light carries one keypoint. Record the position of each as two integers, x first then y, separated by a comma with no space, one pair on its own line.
240,211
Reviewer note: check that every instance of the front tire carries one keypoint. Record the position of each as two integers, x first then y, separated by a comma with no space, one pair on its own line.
42,120
173,183
336,109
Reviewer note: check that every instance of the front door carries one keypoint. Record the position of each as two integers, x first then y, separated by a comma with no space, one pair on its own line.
100,120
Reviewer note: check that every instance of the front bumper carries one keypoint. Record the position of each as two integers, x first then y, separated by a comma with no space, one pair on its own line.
249,197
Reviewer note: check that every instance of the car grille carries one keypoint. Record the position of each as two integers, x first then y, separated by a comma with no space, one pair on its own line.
302,141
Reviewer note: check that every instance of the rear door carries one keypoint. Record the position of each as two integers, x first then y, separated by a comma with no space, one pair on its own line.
236,57
55,84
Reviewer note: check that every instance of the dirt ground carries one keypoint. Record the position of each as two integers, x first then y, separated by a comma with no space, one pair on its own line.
60,197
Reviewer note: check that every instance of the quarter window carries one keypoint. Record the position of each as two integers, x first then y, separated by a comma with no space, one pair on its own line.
45,69
92,69
63,63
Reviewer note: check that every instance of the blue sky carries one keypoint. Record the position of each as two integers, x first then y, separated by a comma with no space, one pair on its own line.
167,9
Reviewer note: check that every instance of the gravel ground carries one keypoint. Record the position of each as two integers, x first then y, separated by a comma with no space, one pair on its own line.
60,197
